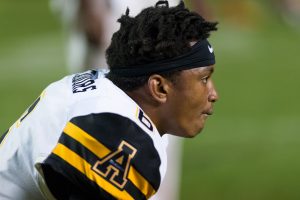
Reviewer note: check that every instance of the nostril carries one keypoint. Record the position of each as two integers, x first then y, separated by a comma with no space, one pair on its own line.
212,98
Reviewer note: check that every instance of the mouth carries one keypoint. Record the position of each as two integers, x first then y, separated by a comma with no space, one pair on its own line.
208,112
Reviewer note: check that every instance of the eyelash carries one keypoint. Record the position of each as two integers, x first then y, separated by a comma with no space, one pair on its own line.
205,79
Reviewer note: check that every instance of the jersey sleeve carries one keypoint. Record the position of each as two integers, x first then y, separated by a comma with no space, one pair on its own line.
103,156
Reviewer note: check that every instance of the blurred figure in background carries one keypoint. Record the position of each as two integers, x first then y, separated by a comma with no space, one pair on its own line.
88,31
202,7
289,11
89,25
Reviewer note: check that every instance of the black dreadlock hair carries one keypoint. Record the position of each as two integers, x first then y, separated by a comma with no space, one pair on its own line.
157,33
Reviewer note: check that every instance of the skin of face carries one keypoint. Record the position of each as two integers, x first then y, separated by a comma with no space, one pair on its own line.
190,101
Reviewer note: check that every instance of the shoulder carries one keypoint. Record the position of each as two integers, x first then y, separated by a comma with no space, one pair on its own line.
112,128
111,152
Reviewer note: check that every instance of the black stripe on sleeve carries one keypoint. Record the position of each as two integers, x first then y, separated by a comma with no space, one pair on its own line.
135,192
91,158
78,148
75,178
62,180
110,129
91,146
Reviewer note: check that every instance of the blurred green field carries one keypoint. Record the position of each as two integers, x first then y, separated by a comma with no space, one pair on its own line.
250,147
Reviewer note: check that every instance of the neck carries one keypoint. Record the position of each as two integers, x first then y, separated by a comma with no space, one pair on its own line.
149,106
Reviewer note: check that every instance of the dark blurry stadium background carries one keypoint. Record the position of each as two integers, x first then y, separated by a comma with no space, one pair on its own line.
250,147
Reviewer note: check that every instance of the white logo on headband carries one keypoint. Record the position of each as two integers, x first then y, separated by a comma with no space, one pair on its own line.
211,50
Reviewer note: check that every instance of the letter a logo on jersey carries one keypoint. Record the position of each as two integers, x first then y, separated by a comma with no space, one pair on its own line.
115,166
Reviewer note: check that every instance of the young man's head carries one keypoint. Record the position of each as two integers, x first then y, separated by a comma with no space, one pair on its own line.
161,58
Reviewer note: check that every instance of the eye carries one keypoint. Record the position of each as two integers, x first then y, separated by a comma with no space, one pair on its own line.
205,79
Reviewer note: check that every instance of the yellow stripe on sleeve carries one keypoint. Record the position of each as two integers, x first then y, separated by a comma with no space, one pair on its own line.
85,168
140,182
86,140
101,151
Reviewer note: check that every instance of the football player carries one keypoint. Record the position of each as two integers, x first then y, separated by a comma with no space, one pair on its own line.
98,135
89,25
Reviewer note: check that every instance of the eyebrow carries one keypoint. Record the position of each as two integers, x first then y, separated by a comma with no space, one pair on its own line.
210,69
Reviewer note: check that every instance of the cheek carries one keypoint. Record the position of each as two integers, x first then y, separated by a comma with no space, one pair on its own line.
202,100
187,114
198,98
191,108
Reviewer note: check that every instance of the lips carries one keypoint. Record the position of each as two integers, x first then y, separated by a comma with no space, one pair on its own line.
208,112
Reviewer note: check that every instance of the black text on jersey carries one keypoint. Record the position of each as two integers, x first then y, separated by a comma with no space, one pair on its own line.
84,82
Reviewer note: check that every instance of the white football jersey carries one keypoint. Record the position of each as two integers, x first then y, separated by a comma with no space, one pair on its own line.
82,138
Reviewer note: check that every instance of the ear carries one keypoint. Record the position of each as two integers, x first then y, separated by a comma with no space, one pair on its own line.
159,88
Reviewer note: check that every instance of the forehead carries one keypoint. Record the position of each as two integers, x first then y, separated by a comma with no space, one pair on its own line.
199,70
188,78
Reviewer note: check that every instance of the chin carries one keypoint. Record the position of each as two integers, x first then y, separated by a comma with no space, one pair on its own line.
191,133
187,132
194,133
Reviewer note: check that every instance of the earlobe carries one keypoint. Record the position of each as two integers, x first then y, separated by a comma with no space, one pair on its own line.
158,87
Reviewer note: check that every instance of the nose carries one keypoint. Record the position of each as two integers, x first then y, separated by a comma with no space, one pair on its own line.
213,94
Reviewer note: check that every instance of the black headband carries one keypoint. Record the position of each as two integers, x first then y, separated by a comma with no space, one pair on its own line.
200,55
